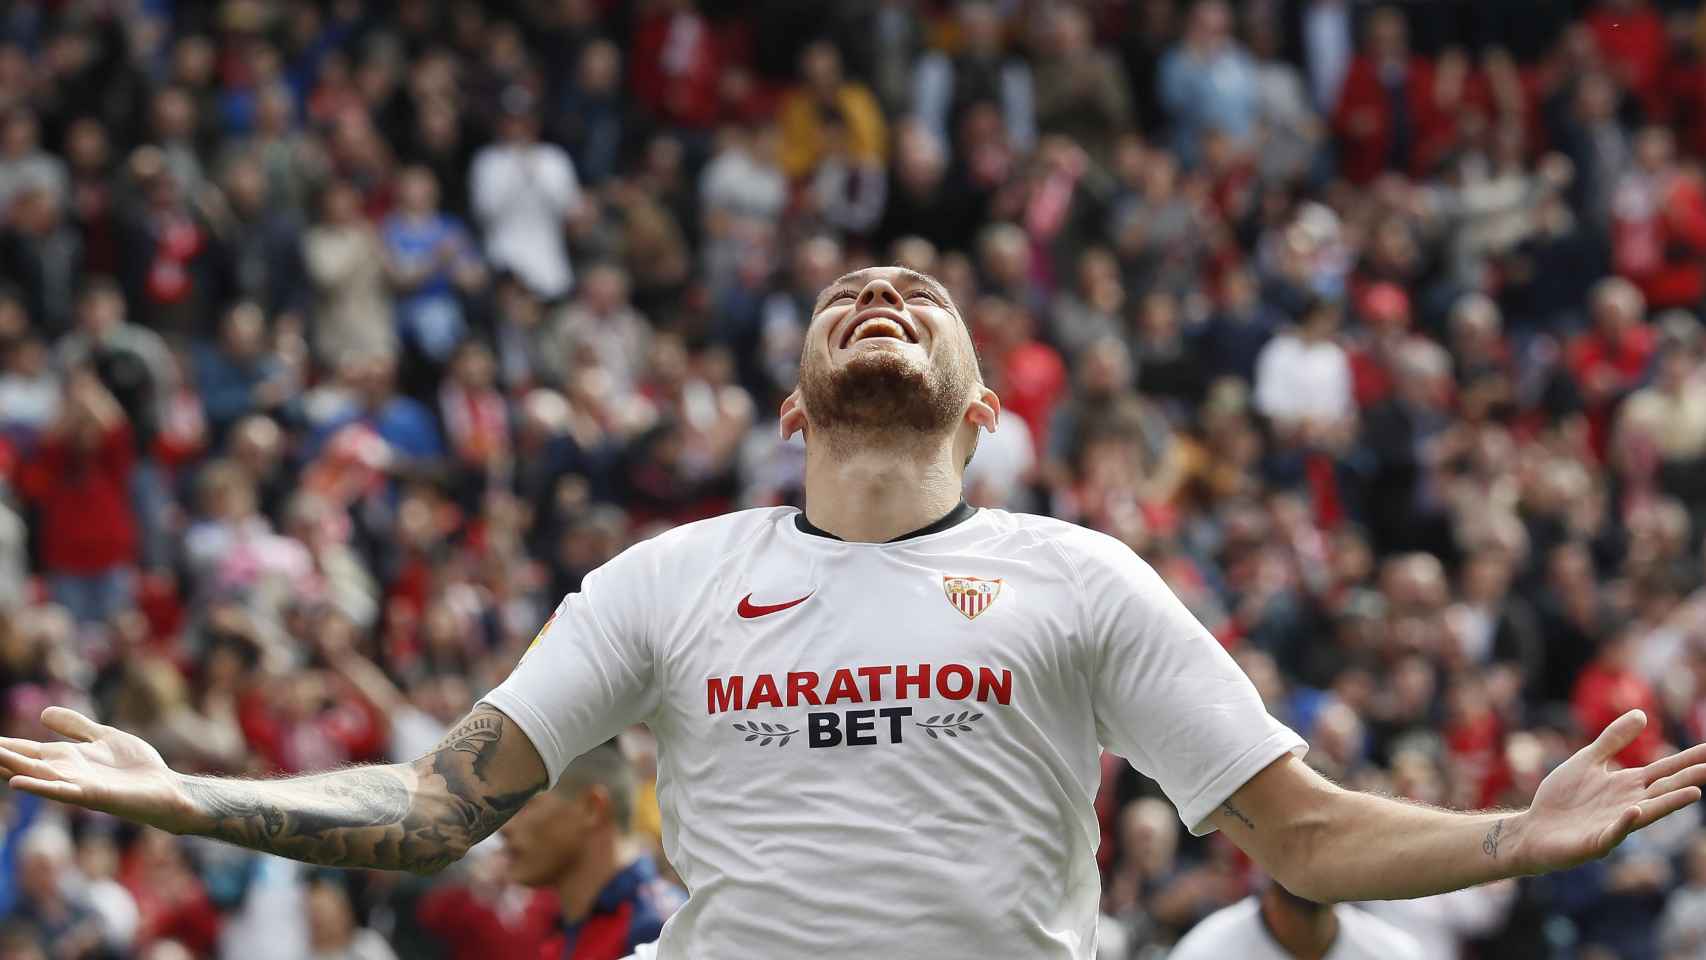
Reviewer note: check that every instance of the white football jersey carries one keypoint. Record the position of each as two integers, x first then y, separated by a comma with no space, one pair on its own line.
890,749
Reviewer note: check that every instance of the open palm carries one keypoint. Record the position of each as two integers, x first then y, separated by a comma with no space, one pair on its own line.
1586,807
101,767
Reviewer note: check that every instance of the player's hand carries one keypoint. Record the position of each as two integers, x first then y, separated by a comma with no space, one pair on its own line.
101,768
1585,808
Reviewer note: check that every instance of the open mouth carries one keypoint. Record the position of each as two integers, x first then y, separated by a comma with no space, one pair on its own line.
879,323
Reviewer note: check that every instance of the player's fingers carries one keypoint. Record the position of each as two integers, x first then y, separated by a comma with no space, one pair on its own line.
1659,769
1694,776
1660,807
51,789
28,748
69,723
17,763
1621,733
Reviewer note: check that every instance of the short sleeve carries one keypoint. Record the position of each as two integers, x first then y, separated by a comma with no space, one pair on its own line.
1167,696
589,673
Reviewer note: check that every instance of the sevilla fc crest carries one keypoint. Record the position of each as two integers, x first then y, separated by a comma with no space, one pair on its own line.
971,595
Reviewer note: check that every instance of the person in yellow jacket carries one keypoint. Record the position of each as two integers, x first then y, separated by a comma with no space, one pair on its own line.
825,89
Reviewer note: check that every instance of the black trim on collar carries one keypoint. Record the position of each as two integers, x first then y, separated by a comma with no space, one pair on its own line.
961,513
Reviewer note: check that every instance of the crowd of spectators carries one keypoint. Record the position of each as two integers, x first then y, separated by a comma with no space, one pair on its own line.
338,340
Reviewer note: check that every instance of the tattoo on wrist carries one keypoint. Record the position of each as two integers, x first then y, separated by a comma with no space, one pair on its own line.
1490,845
1237,814
371,816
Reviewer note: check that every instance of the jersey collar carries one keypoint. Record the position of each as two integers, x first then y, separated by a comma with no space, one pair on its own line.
961,512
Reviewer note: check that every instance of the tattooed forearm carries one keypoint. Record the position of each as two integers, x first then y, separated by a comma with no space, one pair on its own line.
477,736
418,816
1237,814
1490,845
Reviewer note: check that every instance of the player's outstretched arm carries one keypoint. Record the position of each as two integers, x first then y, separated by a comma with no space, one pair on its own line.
1331,844
418,816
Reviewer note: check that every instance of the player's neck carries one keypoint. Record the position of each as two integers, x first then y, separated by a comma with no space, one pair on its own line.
875,494
1304,937
579,888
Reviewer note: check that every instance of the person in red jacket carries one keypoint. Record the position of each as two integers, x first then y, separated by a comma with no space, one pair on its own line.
675,65
1386,105
596,893
1630,35
1610,359
78,479
1611,685
1658,213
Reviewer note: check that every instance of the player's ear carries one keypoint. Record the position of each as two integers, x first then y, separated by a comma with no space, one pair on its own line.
596,803
985,409
793,415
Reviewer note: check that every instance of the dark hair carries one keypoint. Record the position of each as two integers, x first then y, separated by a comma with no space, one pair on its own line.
98,285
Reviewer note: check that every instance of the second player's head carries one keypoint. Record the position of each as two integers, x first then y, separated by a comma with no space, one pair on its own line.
888,363
558,832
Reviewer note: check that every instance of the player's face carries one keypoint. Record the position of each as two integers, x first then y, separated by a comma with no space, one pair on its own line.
886,350
542,840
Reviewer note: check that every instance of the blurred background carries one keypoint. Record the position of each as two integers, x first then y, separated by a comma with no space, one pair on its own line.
338,340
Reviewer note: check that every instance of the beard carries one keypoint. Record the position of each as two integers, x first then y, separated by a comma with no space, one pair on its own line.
880,394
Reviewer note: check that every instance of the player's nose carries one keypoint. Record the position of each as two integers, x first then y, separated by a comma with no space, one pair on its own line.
880,293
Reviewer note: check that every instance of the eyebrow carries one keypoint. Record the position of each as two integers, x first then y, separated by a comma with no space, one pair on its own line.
906,274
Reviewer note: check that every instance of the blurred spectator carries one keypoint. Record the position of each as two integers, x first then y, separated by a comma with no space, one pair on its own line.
523,189
1209,84
431,262
24,162
1610,359
41,251
1659,225
1081,91
849,191
260,237
1611,686
945,85
400,421
1303,379
1597,143
235,376
591,115
333,933
1660,436
64,927
346,263
1289,134
824,91
293,163
921,200
1682,930
1385,110
29,389
79,481
1027,373
599,327
166,261
675,64
475,417
1631,36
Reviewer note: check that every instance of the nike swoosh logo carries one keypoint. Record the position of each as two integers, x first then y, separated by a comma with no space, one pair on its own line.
750,611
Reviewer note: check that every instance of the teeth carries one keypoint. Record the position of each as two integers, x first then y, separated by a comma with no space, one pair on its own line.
879,327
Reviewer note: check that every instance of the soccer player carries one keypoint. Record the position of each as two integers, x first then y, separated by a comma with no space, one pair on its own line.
597,893
879,718
1280,925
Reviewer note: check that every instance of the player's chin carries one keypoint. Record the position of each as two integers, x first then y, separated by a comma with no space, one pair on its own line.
524,874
